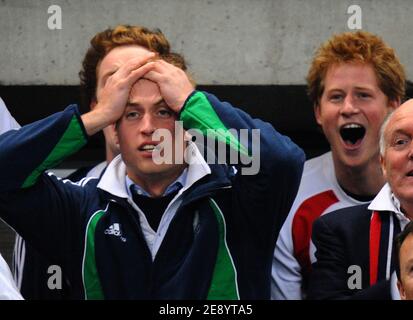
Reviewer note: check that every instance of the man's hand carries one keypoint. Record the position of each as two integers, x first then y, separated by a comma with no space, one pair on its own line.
112,98
173,83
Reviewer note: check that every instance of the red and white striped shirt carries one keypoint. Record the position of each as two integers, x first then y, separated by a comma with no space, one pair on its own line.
319,193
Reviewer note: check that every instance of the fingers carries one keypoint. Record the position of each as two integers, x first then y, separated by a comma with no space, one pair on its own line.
146,67
129,73
163,71
135,75
133,64
153,76
173,83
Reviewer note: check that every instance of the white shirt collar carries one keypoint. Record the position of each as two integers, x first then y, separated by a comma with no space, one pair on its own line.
387,201
383,201
113,180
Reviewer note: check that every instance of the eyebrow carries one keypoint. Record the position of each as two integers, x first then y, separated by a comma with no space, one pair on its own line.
334,89
161,102
364,88
399,131
356,88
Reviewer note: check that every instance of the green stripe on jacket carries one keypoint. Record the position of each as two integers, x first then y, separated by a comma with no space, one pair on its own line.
199,114
224,279
72,140
91,281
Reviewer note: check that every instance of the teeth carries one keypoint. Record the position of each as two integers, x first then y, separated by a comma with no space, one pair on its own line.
352,126
148,147
352,132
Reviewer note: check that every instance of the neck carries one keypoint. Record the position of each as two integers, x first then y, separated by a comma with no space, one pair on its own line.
156,184
110,154
407,209
364,181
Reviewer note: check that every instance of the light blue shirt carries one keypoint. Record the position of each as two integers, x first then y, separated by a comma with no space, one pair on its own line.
174,186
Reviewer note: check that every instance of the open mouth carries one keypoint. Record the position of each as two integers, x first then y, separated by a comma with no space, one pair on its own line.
410,173
352,133
148,148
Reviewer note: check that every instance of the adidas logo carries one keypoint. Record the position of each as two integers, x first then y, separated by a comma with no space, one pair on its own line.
114,230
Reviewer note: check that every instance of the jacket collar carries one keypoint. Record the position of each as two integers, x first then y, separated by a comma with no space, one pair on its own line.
113,180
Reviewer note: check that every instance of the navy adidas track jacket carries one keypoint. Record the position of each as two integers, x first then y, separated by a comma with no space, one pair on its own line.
227,256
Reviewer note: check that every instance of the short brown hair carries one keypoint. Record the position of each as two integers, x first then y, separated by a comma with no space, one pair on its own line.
121,35
357,47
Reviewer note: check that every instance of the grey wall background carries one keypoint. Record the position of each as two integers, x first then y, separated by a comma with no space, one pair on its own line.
238,42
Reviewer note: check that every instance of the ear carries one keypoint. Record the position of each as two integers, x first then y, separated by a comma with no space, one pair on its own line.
383,166
401,290
115,134
393,104
93,104
317,113
114,127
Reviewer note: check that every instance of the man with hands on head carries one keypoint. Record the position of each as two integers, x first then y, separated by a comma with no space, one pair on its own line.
146,230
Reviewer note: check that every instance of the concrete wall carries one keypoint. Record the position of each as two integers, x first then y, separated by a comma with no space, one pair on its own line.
225,42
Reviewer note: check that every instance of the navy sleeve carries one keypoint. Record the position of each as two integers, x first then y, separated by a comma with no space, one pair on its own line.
263,197
42,208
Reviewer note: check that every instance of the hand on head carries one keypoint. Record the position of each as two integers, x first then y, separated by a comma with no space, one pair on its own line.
111,100
173,83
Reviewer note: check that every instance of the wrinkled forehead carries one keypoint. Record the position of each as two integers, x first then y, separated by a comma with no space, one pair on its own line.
401,119
145,89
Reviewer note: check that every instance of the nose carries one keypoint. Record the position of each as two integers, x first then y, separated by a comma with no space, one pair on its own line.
410,154
147,124
348,108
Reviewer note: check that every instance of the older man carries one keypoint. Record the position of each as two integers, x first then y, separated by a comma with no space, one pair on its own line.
354,245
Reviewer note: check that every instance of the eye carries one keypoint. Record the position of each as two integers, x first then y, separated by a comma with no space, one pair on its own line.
164,113
336,97
363,95
399,143
132,115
